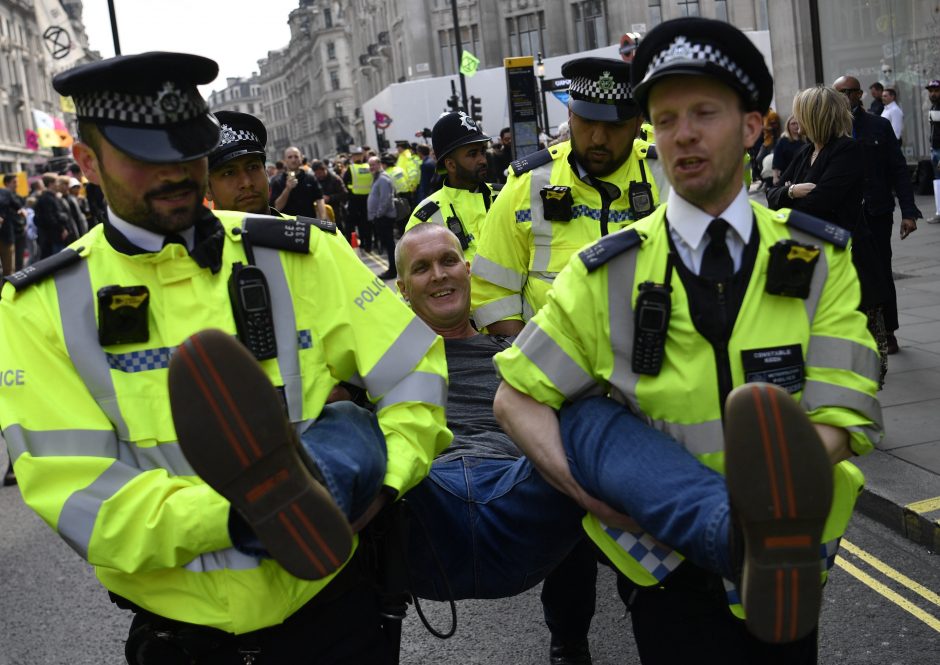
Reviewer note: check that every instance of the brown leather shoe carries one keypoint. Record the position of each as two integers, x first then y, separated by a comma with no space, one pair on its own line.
231,427
780,487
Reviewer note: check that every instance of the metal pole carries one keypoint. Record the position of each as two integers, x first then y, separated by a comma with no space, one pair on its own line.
541,71
459,46
114,29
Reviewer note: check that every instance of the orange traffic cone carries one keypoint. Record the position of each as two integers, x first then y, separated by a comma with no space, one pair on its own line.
354,240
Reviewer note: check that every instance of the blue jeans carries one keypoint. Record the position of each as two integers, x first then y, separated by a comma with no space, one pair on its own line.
497,528
646,474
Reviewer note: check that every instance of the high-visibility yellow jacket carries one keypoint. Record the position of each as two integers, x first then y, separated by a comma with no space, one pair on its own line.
399,179
91,433
581,342
411,168
360,179
458,210
519,252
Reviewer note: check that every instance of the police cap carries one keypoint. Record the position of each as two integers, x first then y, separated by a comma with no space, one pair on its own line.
146,105
599,89
453,130
242,134
703,47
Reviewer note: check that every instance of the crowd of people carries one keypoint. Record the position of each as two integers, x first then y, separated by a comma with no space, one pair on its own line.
241,402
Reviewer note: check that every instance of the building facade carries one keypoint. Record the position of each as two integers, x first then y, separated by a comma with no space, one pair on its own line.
343,53
26,81
239,94
308,94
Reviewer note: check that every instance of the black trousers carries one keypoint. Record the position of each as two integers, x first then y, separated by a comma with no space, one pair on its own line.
569,594
688,621
881,227
342,628
385,234
357,217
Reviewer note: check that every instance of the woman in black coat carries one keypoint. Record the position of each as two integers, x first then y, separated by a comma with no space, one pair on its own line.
825,180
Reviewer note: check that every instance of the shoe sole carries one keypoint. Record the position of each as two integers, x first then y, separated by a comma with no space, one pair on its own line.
233,430
780,485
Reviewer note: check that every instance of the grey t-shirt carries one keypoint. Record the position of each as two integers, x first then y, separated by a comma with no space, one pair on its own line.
472,387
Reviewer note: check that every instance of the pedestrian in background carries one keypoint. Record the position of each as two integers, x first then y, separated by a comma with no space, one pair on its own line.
381,208
886,177
826,180
892,111
876,90
789,143
933,91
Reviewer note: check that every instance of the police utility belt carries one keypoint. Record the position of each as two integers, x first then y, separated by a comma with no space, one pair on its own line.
789,274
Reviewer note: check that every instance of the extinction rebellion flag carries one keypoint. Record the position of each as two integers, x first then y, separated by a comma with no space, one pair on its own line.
60,45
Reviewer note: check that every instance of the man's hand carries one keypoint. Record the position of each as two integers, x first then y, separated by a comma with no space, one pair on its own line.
534,428
908,226
291,181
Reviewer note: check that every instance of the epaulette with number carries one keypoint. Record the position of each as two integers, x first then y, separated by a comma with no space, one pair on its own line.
324,225
819,228
36,272
533,161
424,212
608,247
292,235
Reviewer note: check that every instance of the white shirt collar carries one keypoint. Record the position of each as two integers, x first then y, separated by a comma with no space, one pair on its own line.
147,240
691,222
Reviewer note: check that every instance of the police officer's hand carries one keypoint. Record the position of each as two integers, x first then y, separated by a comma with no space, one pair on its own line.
908,226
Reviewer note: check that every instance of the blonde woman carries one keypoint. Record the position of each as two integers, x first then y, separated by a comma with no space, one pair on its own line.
825,179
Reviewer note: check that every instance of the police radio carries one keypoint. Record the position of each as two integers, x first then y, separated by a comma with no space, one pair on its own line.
251,308
455,227
650,324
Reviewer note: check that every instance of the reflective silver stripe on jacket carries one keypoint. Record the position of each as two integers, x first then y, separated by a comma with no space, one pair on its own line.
541,228
838,353
80,331
80,512
621,273
285,330
818,394
496,274
545,353
417,387
498,310
400,358
820,272
227,559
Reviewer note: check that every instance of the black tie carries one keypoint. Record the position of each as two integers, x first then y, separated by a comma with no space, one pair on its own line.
174,238
717,264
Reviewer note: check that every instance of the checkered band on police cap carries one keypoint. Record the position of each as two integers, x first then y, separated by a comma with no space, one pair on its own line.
167,106
603,89
681,50
232,135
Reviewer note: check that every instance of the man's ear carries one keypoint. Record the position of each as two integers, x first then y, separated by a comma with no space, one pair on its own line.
752,127
88,161
401,289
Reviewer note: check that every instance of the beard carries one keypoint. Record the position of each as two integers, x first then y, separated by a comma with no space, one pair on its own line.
603,161
141,211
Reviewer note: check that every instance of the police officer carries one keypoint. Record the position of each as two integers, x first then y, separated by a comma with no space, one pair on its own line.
464,199
358,180
559,199
218,561
671,318
410,166
237,178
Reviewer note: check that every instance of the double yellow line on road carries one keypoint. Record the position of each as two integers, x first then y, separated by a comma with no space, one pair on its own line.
886,591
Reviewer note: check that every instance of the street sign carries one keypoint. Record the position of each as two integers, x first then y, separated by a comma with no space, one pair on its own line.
523,105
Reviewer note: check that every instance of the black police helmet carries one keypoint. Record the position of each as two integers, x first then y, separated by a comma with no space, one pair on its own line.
453,130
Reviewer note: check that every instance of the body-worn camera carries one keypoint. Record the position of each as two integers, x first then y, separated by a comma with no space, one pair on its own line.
557,203
790,269
122,314
641,199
